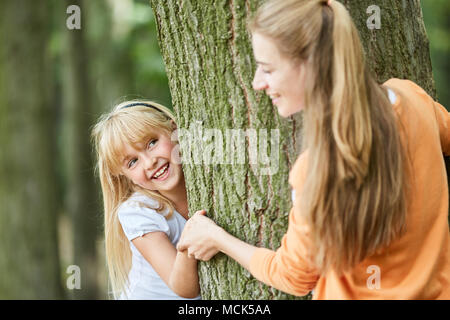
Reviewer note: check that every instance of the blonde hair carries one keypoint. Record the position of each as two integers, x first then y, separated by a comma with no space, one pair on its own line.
355,194
120,127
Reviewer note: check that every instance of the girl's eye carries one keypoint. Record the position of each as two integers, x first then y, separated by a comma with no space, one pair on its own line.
266,71
131,163
151,143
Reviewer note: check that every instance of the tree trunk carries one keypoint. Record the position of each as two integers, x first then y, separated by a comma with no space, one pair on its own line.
209,63
81,193
29,261
400,47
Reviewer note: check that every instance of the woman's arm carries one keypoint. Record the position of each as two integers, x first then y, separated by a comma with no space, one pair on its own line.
285,269
176,269
235,248
203,239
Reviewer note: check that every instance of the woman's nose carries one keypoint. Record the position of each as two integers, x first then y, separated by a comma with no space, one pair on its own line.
259,83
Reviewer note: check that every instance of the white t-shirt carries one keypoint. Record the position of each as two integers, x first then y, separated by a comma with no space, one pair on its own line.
144,283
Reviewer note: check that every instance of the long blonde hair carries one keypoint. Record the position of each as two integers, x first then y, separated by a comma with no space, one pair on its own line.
355,194
114,130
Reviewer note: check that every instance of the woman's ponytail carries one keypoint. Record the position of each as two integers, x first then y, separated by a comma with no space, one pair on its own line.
351,121
354,196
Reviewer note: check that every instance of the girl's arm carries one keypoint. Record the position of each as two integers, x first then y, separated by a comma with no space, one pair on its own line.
184,277
177,270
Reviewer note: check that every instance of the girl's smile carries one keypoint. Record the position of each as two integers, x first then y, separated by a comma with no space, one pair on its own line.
162,173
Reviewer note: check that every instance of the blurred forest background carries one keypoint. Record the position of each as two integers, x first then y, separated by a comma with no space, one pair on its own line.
81,74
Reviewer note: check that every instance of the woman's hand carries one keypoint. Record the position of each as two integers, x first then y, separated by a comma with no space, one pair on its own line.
199,237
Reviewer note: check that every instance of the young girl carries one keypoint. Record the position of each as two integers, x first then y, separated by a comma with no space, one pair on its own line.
145,203
369,218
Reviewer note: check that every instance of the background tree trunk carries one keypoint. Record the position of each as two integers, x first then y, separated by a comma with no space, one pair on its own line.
400,47
29,264
82,201
209,63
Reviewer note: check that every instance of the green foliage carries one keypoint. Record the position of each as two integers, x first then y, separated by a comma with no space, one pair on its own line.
124,57
150,74
437,24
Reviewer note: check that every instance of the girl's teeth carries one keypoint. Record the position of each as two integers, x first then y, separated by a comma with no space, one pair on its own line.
160,172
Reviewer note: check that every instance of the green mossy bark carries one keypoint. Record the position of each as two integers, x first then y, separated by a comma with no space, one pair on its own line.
209,64
400,48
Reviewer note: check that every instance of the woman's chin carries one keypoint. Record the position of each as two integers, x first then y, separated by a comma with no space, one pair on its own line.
287,111
284,112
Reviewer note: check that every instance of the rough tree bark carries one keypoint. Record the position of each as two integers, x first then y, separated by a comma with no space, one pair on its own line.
209,63
29,260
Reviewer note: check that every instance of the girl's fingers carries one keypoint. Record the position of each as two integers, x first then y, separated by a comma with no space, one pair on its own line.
181,246
201,212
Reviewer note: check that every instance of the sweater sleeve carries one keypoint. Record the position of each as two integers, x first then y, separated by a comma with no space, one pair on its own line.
442,117
286,269
289,268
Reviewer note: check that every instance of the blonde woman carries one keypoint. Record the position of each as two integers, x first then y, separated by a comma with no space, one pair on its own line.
145,203
369,217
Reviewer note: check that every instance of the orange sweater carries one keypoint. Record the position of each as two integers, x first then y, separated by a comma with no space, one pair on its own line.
415,266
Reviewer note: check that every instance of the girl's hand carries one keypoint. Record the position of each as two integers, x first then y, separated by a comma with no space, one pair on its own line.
199,237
